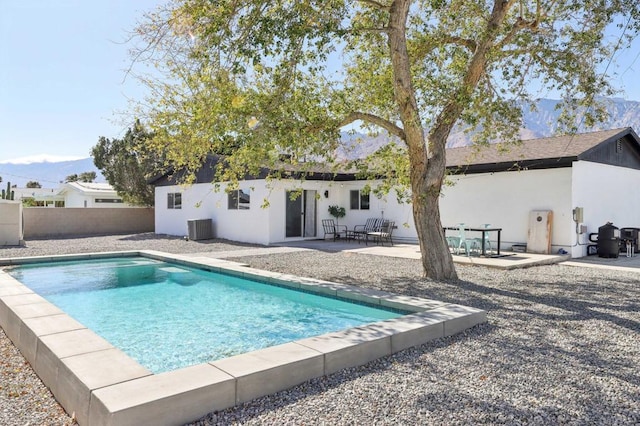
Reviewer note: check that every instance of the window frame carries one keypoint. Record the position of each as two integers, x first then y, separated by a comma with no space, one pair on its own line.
174,200
363,200
234,199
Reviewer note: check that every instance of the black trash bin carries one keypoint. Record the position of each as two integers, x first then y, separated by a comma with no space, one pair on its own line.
608,240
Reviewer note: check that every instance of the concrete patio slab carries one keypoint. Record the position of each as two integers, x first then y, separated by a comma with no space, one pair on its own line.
507,260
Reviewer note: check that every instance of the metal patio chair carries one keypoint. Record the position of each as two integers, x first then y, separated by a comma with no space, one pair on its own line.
384,234
371,225
330,228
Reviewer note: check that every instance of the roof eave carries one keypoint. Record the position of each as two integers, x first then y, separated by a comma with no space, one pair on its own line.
535,164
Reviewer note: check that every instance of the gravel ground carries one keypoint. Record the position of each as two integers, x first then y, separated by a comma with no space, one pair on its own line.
561,347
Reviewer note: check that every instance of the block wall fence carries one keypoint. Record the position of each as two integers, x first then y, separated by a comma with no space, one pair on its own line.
56,222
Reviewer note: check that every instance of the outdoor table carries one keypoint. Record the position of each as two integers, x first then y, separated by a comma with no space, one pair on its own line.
484,232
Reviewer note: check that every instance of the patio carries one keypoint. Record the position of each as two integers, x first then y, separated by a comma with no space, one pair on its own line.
509,260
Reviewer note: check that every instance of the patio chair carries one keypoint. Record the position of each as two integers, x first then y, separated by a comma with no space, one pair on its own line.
384,234
330,228
371,225
453,243
469,244
487,241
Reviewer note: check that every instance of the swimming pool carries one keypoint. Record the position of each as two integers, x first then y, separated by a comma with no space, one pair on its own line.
168,316
101,385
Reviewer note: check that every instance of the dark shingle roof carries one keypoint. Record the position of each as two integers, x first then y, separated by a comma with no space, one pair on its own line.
543,153
546,150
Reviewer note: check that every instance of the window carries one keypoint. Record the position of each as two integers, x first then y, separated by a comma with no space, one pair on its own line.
174,200
359,200
109,200
239,199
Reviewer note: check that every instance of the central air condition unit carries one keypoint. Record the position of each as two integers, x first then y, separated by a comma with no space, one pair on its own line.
200,229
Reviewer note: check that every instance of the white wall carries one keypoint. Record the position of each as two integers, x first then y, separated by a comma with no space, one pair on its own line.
75,199
268,225
201,201
607,194
501,199
505,200
78,199
386,207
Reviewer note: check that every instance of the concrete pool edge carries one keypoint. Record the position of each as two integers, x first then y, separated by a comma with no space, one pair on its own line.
103,386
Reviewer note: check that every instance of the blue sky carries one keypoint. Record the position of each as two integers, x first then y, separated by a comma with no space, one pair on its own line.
62,79
61,74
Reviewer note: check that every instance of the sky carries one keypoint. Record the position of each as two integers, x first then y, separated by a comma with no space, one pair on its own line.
62,74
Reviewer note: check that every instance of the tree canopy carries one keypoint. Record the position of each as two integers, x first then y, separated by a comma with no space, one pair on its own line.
126,164
86,177
256,79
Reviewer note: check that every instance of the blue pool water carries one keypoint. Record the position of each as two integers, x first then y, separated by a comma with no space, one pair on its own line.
167,316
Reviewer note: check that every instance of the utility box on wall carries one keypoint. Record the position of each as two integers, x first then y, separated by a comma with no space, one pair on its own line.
540,225
10,223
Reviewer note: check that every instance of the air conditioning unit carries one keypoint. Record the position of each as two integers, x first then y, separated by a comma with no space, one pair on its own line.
200,229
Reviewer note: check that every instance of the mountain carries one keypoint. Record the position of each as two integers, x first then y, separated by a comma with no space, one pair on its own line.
48,174
543,122
538,123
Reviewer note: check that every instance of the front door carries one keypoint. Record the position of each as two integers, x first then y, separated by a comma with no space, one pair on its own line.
301,214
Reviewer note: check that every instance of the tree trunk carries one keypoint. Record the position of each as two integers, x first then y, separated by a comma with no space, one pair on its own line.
427,162
426,183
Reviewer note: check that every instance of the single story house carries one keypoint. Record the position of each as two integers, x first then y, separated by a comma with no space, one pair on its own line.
90,194
588,177
40,197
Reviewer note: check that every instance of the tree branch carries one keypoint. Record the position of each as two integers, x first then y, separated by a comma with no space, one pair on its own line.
374,119
519,25
375,4
475,71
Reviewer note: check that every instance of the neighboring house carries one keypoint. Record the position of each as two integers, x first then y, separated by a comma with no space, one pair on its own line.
83,194
596,171
40,197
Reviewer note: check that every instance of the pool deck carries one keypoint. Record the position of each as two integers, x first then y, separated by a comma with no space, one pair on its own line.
100,385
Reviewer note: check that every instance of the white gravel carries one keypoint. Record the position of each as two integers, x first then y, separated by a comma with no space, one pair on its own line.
561,347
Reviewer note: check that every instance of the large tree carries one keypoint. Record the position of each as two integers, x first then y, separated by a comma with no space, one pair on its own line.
256,79
126,164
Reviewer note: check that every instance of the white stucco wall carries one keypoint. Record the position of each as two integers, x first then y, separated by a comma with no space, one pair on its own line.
607,194
268,225
201,201
502,199
505,200
386,207
75,199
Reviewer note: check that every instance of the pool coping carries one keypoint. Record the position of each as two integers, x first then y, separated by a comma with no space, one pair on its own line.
99,384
